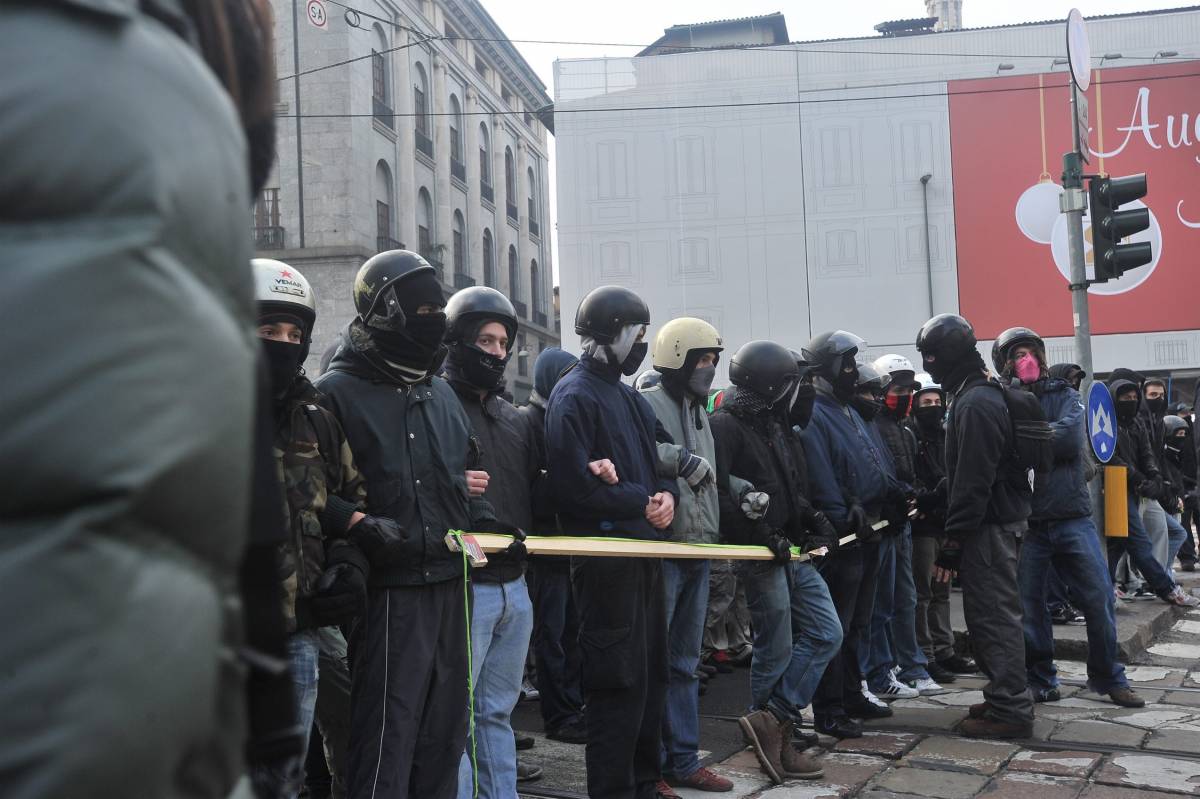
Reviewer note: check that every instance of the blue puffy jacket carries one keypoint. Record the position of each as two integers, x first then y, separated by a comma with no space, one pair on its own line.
846,459
1063,493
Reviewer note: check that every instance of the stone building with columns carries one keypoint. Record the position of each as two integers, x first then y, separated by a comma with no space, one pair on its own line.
419,126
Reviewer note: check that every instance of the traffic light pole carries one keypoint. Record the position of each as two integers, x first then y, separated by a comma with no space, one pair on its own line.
1073,202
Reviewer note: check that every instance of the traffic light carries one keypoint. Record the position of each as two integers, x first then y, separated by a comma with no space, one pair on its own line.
1110,225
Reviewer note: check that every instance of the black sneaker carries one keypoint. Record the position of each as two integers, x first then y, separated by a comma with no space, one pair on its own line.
523,741
958,664
838,726
867,710
940,673
1061,614
1047,695
527,772
573,732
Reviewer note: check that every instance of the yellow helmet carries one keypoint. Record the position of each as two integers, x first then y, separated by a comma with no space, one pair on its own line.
679,337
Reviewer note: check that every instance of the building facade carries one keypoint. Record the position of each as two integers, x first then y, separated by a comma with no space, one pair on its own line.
425,135
870,183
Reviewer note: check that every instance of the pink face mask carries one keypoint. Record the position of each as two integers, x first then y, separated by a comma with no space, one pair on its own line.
1027,368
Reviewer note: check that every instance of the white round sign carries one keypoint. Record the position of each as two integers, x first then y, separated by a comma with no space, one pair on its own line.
317,15
1126,282
1079,52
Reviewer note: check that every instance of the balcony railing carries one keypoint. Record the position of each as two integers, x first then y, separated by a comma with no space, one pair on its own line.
383,244
268,238
539,319
487,192
383,112
458,170
534,229
512,211
424,143
522,309
463,280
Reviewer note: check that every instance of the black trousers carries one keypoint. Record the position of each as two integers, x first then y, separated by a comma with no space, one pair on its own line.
555,641
1187,553
623,643
408,698
850,573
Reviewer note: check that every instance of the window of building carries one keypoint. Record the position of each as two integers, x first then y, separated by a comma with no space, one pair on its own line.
510,182
457,245
481,67
506,96
420,100
456,130
535,288
514,276
489,259
689,165
454,39
522,362
268,235
424,224
611,171
532,195
384,240
485,156
381,88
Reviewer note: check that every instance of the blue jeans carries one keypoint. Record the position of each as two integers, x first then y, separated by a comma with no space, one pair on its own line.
501,622
1057,595
892,640
303,651
796,633
1072,548
685,583
1176,535
1141,554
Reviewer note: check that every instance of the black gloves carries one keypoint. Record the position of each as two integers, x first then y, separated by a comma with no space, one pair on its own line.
1151,488
780,547
384,542
342,590
516,549
856,521
950,557
697,471
824,534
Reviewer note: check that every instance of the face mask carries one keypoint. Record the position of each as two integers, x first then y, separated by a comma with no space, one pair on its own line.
1126,410
867,408
897,405
1028,370
283,364
930,417
427,329
802,405
844,383
934,368
633,361
1157,406
481,369
701,381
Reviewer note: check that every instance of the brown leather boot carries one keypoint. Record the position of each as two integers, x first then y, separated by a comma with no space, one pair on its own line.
991,728
796,764
761,731
977,710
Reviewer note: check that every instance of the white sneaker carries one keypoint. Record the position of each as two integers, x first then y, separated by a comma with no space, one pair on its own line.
870,697
897,690
1179,597
926,686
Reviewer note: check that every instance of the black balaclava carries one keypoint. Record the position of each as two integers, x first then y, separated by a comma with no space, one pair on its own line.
844,382
952,374
929,418
415,351
283,364
1157,406
868,408
801,409
478,368
896,406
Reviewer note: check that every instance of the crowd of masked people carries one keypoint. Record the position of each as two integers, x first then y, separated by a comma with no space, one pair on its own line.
199,576
870,485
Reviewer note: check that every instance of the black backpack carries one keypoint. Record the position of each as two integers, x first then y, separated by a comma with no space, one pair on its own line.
1031,433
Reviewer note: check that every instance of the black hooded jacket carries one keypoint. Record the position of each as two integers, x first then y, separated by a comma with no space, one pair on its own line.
1133,445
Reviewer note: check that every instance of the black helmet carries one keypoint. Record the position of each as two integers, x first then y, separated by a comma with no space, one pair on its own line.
471,306
947,336
764,367
1010,338
872,377
376,278
826,351
802,364
604,311
1173,424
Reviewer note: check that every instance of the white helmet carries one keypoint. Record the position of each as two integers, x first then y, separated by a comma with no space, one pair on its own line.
925,383
280,289
899,367
679,337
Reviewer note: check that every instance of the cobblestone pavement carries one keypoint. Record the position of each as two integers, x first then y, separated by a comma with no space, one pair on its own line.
1083,745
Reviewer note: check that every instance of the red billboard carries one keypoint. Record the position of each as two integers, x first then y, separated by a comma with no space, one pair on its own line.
1007,138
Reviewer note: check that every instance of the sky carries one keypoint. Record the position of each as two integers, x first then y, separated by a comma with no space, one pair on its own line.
639,22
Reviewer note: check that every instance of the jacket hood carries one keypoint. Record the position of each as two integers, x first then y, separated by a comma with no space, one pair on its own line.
1117,385
548,368
1063,370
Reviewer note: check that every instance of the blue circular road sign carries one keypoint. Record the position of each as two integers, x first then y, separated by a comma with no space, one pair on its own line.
1101,421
